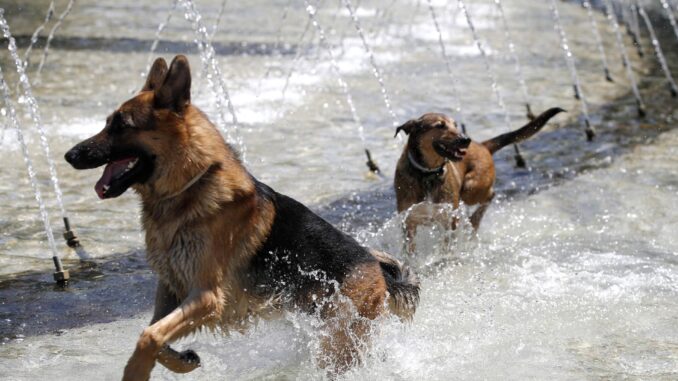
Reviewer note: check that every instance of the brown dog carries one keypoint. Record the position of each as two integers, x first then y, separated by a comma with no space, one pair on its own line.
441,165
225,246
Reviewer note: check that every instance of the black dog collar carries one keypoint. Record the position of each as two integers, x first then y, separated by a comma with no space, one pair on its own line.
439,171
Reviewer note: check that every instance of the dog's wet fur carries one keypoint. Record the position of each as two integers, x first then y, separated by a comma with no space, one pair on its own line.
440,164
225,246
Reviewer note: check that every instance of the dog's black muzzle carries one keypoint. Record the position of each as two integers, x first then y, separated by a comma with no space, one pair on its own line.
90,153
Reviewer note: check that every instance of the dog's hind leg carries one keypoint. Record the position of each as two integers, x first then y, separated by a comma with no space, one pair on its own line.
177,362
479,213
348,317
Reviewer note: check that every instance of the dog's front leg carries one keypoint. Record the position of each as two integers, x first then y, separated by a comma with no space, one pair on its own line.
178,362
200,306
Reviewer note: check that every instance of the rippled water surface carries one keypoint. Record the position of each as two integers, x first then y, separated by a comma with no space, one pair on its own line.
573,274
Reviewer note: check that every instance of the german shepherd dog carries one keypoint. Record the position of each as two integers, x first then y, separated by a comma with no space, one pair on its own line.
439,164
225,246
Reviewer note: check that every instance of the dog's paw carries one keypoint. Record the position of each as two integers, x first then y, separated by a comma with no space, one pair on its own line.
179,362
190,357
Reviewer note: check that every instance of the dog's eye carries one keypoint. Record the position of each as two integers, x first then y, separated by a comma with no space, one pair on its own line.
440,125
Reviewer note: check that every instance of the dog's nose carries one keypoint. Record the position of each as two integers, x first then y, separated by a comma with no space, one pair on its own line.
71,156
465,140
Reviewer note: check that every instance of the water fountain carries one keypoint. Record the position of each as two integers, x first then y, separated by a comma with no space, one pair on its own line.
634,27
297,54
673,88
569,59
599,41
448,66
612,17
215,78
38,30
61,276
496,90
516,61
375,68
669,13
69,235
343,84
158,33
56,26
276,45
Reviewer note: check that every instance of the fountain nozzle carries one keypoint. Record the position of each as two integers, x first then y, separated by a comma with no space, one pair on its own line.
61,276
590,134
520,160
641,109
374,168
608,77
69,235
530,114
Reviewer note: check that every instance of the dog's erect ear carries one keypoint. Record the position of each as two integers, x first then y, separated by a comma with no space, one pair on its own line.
407,127
156,76
175,92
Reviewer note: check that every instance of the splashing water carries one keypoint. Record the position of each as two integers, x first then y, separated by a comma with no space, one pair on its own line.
34,37
569,59
673,88
56,26
215,78
599,40
514,56
448,65
612,17
670,15
335,68
14,122
375,68
158,33
33,109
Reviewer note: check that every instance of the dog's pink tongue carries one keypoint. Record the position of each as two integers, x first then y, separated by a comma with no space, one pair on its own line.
112,169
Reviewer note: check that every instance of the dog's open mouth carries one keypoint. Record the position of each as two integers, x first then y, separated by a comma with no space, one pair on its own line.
454,150
118,176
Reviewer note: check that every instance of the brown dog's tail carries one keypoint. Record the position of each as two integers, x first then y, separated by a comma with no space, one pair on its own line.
402,285
499,142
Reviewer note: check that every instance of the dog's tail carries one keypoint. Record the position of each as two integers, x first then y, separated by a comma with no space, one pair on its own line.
499,142
402,285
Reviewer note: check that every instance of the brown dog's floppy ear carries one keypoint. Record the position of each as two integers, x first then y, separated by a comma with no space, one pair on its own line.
407,127
156,76
175,92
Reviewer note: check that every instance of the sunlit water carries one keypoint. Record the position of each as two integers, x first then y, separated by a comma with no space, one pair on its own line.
578,280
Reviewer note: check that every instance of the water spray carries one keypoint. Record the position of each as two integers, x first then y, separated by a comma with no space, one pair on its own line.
69,235
216,79
297,55
612,17
61,276
375,68
342,83
34,37
448,65
158,33
516,61
669,13
56,26
673,88
569,59
520,161
276,45
599,41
